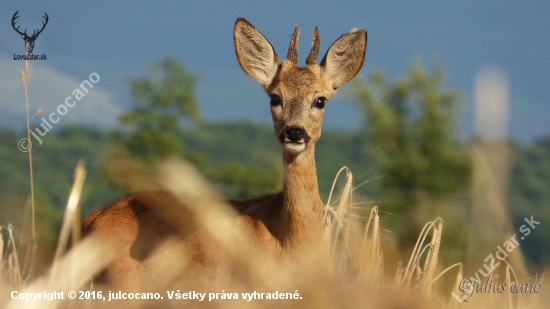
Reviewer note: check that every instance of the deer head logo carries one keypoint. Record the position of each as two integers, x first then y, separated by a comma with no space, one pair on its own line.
29,40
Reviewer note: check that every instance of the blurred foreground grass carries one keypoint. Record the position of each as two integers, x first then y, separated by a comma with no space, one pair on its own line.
358,272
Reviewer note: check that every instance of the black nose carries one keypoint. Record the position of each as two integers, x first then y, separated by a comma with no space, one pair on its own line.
295,134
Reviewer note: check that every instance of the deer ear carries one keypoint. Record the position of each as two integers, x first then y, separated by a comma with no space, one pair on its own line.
254,52
344,58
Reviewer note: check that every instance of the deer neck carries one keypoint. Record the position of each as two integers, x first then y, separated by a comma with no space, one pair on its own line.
302,206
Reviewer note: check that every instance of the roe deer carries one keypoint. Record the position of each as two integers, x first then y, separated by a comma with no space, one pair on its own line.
279,224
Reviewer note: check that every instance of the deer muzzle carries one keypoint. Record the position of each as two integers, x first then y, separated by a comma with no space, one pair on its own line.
294,138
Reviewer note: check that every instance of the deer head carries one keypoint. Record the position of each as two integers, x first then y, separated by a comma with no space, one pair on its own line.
29,40
298,94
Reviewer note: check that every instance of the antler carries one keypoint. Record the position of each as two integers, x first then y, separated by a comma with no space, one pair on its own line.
292,55
13,24
34,33
43,26
312,58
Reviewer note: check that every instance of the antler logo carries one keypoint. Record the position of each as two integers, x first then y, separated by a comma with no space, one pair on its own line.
29,40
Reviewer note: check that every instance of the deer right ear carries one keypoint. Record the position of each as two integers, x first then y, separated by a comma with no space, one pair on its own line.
255,54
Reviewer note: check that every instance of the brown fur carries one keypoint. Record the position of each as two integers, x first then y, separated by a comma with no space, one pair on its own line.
279,224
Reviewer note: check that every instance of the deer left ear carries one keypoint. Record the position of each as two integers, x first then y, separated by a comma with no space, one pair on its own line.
344,58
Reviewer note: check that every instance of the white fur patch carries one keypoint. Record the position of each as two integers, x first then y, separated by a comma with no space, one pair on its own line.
294,148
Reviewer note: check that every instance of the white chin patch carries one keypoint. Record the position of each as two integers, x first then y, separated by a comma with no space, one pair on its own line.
294,147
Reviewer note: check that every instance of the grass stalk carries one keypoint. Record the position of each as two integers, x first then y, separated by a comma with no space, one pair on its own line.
24,80
71,218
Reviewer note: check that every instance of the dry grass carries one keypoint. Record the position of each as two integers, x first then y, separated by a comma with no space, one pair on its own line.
351,275
31,252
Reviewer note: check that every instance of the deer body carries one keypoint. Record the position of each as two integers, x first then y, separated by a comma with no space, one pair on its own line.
280,224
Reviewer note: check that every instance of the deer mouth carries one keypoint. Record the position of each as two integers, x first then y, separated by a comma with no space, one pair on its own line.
294,147
293,143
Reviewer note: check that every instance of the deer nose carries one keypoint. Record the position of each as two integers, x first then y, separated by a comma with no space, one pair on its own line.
295,134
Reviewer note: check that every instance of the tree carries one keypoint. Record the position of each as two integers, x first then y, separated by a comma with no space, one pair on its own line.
162,101
528,194
410,130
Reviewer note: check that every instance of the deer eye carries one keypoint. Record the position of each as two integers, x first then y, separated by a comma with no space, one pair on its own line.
319,102
274,100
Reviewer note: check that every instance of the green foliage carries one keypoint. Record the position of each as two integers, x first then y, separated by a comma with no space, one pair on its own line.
244,181
162,101
54,162
243,143
530,170
252,152
243,159
411,131
530,195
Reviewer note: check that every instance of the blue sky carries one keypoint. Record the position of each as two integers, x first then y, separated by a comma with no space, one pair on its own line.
118,39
